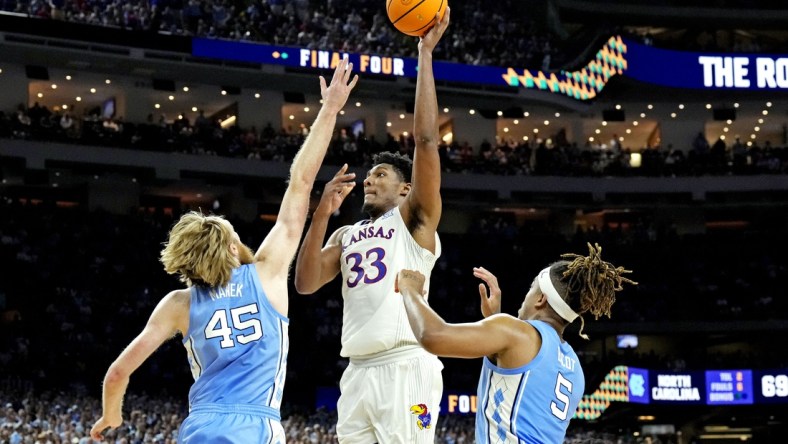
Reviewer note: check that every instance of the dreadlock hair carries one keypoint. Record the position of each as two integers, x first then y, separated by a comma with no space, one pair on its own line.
198,250
587,283
402,164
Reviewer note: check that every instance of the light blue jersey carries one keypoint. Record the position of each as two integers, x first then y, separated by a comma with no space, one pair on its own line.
237,347
531,404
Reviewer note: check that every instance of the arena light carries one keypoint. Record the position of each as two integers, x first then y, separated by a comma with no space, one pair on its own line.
470,111
760,121
292,117
765,112
597,131
629,131
642,115
388,124
358,104
342,113
525,138
558,114
604,123
708,106
54,86
68,77
157,106
93,90
500,113
171,97
526,114
681,106
736,105
729,121
635,123
635,161
516,122
768,104
673,115
757,128
506,130
445,110
546,122
228,122
618,106
40,95
194,109
257,96
650,106
224,92
306,109
402,116
78,99
725,130
108,81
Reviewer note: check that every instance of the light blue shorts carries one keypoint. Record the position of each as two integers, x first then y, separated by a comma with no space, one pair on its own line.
230,426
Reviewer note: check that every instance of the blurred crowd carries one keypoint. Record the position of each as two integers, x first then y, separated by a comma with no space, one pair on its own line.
554,155
502,33
75,273
60,418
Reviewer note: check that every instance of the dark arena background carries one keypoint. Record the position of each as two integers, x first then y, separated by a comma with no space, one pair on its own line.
656,128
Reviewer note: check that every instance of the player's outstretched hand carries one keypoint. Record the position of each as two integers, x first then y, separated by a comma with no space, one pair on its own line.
335,95
430,40
409,281
490,301
102,425
335,191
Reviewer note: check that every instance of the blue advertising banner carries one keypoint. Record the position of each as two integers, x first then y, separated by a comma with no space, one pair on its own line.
771,386
619,56
638,385
729,387
681,388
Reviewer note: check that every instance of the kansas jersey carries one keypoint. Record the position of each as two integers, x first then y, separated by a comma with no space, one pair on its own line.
531,404
373,252
237,346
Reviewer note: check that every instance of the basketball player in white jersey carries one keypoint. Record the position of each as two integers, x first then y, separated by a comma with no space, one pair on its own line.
233,313
390,392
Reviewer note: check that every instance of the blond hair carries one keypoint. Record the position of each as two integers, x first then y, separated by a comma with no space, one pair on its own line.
198,250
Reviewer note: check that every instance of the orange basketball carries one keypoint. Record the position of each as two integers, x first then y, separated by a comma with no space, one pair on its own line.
415,17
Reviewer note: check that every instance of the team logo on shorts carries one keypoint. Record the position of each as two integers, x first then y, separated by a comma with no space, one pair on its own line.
424,418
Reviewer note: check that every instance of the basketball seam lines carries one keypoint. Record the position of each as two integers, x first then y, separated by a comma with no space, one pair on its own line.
431,21
408,11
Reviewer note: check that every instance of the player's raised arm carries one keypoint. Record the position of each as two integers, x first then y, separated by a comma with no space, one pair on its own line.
277,250
315,267
424,200
490,336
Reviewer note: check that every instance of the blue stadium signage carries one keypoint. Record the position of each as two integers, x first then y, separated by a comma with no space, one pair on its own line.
618,56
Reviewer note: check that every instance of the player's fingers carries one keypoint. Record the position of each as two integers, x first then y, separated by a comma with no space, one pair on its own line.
347,188
353,83
341,170
347,73
323,86
337,72
483,292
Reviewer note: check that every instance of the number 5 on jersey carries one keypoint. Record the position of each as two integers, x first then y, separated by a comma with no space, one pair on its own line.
218,326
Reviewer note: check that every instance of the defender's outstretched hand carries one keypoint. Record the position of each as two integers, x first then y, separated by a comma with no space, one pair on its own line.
335,95
336,190
490,302
409,281
430,40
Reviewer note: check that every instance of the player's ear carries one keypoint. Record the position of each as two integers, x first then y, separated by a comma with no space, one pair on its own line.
405,189
541,301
